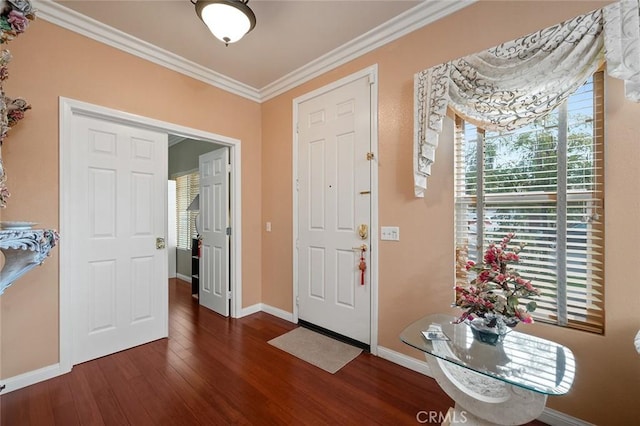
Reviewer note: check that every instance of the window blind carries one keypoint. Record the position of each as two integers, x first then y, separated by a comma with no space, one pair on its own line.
545,182
187,187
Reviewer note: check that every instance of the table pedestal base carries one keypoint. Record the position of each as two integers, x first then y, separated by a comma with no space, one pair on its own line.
23,250
482,400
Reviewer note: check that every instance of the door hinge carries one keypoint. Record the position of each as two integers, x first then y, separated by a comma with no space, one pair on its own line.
370,156
372,78
228,295
228,231
228,168
297,301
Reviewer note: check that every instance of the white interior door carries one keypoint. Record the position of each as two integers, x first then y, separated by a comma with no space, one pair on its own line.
334,180
214,221
119,278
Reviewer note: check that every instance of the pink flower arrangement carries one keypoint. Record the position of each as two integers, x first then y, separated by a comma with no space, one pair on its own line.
495,291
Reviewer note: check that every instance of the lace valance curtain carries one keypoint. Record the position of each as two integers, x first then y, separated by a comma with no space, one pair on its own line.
511,85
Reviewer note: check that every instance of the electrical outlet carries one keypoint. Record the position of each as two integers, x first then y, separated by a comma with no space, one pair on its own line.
390,233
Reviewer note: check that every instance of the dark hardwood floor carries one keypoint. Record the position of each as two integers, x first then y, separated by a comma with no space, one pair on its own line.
218,371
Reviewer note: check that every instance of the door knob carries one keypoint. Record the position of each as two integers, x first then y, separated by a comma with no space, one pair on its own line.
160,243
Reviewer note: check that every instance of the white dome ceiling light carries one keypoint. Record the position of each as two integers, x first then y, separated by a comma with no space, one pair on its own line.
228,20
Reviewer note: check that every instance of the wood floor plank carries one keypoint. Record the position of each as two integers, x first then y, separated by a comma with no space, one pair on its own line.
40,409
157,392
120,376
104,394
219,371
86,406
15,408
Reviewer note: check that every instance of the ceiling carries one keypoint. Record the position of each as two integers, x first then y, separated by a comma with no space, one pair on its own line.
292,39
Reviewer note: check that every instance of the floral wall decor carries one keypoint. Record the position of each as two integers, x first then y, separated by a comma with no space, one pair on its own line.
14,20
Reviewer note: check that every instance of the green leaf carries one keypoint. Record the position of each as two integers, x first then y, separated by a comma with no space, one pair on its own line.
512,301
531,306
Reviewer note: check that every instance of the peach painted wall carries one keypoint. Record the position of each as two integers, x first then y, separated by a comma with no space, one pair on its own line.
49,62
416,274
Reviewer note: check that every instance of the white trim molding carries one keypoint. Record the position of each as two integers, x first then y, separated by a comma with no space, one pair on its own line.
32,377
556,418
405,361
415,18
277,312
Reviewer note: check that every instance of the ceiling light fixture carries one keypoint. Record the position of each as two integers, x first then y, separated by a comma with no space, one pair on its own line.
228,20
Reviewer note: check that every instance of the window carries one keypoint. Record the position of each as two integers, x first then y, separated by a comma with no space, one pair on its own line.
187,187
544,182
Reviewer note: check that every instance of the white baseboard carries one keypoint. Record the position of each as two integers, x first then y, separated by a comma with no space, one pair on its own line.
31,378
404,360
548,416
184,277
261,307
250,310
556,418
277,312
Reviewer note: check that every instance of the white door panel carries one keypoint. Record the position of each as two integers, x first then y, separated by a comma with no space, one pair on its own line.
334,138
214,216
119,285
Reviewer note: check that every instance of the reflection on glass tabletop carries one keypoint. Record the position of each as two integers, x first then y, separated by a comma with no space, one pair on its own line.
521,359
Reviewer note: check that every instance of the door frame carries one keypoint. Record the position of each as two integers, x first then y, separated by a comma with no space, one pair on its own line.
70,107
372,73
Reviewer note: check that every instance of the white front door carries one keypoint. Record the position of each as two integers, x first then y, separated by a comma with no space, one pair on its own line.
119,197
334,178
214,220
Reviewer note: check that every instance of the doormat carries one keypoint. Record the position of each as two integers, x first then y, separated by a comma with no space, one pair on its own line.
317,349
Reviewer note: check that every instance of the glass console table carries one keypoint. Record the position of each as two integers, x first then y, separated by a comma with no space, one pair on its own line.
505,384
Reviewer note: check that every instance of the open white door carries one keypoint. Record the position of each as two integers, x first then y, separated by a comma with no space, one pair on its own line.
214,221
119,197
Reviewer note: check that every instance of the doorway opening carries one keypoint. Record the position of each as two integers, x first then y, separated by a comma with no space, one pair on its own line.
203,203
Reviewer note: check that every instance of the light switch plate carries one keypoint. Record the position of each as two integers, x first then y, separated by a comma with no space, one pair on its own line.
390,233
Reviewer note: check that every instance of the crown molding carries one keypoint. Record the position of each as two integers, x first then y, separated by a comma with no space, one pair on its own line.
411,20
89,27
